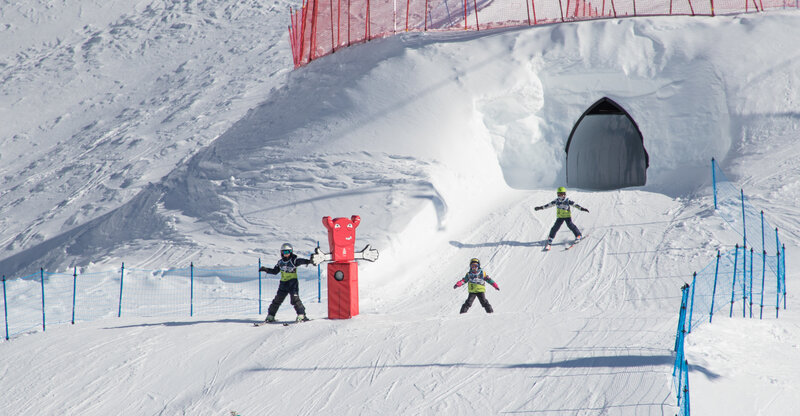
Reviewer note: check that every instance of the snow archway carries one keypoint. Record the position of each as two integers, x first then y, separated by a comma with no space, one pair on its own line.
605,149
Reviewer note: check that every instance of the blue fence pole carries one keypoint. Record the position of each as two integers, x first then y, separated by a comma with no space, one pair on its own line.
733,285
778,278
259,285
681,316
763,246
686,411
778,248
74,290
783,274
751,282
691,304
744,224
714,180
714,290
41,271
744,282
777,241
5,305
121,279
319,280
763,275
679,338
744,259
191,289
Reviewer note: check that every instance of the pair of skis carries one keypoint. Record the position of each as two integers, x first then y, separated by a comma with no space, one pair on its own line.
284,323
547,247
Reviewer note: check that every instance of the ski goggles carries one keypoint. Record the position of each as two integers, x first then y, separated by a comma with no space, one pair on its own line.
286,252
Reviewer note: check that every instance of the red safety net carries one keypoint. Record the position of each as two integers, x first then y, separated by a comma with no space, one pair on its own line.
320,27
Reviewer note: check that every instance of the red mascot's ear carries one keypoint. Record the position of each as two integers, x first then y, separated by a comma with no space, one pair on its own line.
356,220
327,222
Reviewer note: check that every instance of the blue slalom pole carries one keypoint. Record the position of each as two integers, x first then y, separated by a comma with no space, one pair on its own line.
5,305
319,280
733,285
714,180
714,290
41,270
121,278
259,285
691,304
191,289
74,287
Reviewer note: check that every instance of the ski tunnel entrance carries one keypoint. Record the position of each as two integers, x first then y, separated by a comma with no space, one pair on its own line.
605,149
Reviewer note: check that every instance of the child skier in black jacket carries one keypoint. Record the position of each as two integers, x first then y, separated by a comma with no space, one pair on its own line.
287,266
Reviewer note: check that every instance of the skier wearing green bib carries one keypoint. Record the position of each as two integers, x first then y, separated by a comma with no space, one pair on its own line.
563,215
476,280
287,266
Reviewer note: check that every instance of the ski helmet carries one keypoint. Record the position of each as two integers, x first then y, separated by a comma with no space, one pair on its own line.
474,261
561,190
286,248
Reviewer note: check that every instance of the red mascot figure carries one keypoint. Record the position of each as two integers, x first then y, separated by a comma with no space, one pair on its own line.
343,271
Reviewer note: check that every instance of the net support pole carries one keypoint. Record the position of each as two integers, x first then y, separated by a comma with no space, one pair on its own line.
191,289
763,276
41,275
751,282
714,180
691,303
733,285
74,291
121,280
778,278
5,305
714,290
783,274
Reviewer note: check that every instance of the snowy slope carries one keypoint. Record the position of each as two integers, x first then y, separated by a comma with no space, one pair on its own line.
164,147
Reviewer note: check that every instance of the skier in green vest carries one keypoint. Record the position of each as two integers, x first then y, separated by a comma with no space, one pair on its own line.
476,280
287,266
563,215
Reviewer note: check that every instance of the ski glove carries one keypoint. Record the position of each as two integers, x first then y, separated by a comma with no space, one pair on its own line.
495,286
263,269
584,210
458,284
537,208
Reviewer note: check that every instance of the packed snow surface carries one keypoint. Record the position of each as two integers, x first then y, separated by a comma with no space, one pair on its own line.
163,133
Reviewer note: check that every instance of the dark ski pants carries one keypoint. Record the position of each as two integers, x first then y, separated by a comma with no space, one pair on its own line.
557,225
481,298
289,288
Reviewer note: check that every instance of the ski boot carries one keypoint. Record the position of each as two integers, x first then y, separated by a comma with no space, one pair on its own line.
302,318
270,318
